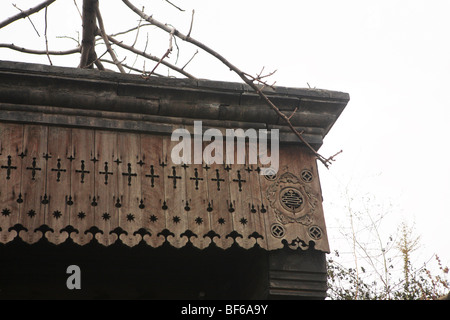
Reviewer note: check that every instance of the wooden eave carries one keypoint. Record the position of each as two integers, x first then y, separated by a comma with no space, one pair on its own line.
49,95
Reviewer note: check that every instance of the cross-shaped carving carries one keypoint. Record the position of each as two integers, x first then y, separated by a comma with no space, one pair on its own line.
58,170
217,179
239,180
196,178
162,164
174,177
129,174
106,173
185,166
8,168
82,171
47,156
33,169
152,175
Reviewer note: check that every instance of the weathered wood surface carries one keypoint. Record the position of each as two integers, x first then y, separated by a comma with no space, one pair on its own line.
66,183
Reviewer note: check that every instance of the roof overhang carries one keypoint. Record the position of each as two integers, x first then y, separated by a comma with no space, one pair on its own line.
42,94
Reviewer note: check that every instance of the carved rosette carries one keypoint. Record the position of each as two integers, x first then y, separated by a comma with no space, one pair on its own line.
297,219
292,200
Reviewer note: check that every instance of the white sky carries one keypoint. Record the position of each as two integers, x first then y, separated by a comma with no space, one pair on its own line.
392,57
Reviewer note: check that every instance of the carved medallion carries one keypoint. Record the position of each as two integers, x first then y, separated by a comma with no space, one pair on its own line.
292,199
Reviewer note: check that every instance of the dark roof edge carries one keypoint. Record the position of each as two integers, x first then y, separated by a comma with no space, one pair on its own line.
105,99
199,84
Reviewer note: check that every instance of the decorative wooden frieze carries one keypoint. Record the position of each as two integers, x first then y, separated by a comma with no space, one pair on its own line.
96,185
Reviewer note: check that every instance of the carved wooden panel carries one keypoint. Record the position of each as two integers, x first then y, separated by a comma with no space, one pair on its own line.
82,185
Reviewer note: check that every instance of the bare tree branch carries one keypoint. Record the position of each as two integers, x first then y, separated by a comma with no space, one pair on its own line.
241,74
45,35
26,13
78,9
169,50
138,29
89,31
131,68
97,61
32,24
174,5
151,57
32,51
105,39
189,61
192,23
71,38
129,30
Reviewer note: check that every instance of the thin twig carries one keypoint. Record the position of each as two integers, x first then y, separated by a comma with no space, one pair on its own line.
32,51
190,59
131,68
146,44
71,38
174,5
293,112
26,13
138,29
129,30
29,19
151,57
78,9
192,23
97,62
169,50
45,35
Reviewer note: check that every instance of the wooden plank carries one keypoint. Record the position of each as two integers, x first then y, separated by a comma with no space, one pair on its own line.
82,184
33,186
106,197
129,186
11,197
258,208
196,201
241,197
221,218
175,192
58,182
274,242
152,181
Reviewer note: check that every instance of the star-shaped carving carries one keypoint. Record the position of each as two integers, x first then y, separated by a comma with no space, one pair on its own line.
57,214
6,212
130,217
176,219
221,221
106,216
81,215
153,218
199,220
243,221
31,213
